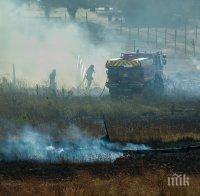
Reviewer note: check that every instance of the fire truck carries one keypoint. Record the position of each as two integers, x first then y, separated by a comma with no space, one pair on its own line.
136,72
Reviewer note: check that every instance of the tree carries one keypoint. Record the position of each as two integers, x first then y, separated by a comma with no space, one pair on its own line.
136,12
71,5
21,2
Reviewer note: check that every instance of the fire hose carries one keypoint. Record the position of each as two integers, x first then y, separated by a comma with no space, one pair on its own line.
103,90
184,149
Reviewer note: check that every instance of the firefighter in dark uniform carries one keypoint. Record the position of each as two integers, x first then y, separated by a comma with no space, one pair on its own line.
89,76
52,79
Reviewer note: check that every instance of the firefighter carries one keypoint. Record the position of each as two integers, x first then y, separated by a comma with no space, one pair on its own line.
89,76
52,79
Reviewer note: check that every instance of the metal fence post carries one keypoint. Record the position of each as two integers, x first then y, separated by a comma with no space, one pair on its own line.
175,37
156,38
165,38
185,39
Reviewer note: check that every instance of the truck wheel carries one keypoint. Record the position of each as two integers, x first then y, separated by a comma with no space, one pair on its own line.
158,84
148,88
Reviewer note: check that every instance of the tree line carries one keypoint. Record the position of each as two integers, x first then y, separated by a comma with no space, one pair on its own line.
149,12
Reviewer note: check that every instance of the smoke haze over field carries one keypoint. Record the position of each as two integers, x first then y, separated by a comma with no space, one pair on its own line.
37,46
76,146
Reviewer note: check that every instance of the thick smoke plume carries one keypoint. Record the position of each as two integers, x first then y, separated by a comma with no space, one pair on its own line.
30,144
36,46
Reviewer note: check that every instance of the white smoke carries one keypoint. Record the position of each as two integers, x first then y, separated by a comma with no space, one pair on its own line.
76,147
196,63
183,77
187,84
37,46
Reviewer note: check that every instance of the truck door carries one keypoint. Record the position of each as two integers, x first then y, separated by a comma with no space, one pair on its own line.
148,68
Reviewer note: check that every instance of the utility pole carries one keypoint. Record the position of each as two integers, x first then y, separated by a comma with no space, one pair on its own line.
14,76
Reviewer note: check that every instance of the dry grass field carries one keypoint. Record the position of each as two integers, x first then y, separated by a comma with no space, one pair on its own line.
140,119
84,184
157,122
133,176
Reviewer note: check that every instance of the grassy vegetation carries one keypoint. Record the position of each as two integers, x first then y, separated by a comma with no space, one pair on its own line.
140,119
85,184
132,176
156,121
